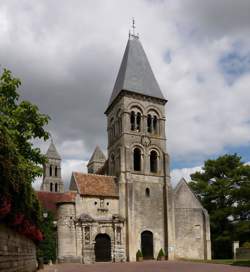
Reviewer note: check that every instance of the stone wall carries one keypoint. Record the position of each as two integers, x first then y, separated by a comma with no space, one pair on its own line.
17,253
243,253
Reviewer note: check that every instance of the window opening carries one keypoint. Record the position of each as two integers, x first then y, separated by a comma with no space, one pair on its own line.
132,120
50,170
147,192
153,161
137,159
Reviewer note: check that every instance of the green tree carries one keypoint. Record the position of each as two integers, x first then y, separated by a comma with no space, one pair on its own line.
20,123
223,187
47,247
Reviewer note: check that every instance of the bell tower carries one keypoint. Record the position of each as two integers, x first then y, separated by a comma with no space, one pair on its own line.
52,180
137,154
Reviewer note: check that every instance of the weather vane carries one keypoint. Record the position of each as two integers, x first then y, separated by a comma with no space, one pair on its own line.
133,30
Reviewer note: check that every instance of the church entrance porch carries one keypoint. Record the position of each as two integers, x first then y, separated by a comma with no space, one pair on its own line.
102,248
147,245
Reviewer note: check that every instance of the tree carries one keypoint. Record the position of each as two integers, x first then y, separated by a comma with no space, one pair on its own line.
47,247
223,187
20,123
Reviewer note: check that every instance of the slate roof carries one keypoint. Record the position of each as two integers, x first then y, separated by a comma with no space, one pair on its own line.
135,73
95,185
49,200
52,153
97,156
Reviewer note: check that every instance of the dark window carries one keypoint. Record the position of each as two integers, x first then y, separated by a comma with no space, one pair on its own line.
51,187
137,159
149,123
56,171
147,192
56,187
95,202
112,164
132,120
138,121
107,204
155,124
153,161
50,170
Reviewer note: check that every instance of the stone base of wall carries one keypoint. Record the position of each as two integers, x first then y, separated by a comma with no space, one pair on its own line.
243,253
17,253
69,259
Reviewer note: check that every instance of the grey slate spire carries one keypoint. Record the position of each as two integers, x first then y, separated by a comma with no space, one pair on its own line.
52,153
135,73
96,161
97,155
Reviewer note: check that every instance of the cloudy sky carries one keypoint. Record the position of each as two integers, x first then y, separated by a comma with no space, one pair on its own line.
67,54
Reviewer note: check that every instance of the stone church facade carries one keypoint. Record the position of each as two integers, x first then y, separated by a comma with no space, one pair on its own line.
125,202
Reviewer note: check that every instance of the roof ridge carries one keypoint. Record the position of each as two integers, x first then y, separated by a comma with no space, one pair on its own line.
93,174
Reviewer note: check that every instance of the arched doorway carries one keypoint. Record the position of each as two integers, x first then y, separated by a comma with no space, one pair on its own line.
102,248
147,244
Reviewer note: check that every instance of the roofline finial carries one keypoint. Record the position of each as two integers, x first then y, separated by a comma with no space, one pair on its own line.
133,35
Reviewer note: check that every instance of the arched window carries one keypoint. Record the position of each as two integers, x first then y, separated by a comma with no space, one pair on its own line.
149,123
56,187
153,161
138,121
50,170
112,164
147,192
51,187
132,120
56,171
155,124
137,159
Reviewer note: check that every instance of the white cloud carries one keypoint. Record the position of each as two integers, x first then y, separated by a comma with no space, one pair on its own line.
178,174
68,56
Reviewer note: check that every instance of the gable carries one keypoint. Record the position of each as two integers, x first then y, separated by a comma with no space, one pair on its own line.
185,197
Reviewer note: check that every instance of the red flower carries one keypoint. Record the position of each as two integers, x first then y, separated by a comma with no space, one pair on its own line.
5,207
18,219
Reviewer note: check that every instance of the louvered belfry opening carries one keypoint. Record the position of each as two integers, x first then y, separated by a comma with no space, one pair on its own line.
102,248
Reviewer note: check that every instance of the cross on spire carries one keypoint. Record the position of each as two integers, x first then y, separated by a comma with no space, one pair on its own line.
133,35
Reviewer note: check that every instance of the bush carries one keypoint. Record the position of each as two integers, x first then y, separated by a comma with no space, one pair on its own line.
246,245
139,254
161,254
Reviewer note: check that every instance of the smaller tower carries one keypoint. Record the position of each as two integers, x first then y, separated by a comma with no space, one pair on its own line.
96,161
52,180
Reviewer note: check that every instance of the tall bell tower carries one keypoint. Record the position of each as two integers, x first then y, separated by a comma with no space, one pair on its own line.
137,155
52,179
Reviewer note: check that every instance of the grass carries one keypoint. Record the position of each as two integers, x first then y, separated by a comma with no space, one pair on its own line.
227,261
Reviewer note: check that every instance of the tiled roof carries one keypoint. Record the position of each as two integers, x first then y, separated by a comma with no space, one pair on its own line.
49,200
95,185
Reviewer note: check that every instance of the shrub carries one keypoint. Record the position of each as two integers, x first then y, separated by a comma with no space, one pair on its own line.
138,254
246,245
161,254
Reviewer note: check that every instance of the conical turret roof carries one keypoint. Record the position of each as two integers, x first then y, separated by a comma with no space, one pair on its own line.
97,155
135,73
52,153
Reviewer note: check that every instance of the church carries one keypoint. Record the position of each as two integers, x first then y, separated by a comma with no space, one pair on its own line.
126,202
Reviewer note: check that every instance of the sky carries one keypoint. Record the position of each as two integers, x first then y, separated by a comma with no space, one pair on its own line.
67,55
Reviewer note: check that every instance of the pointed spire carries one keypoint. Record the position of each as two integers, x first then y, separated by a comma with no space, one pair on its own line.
135,73
52,153
97,155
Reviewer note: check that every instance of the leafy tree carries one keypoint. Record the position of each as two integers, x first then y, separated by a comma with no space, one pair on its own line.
223,187
20,123
47,247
